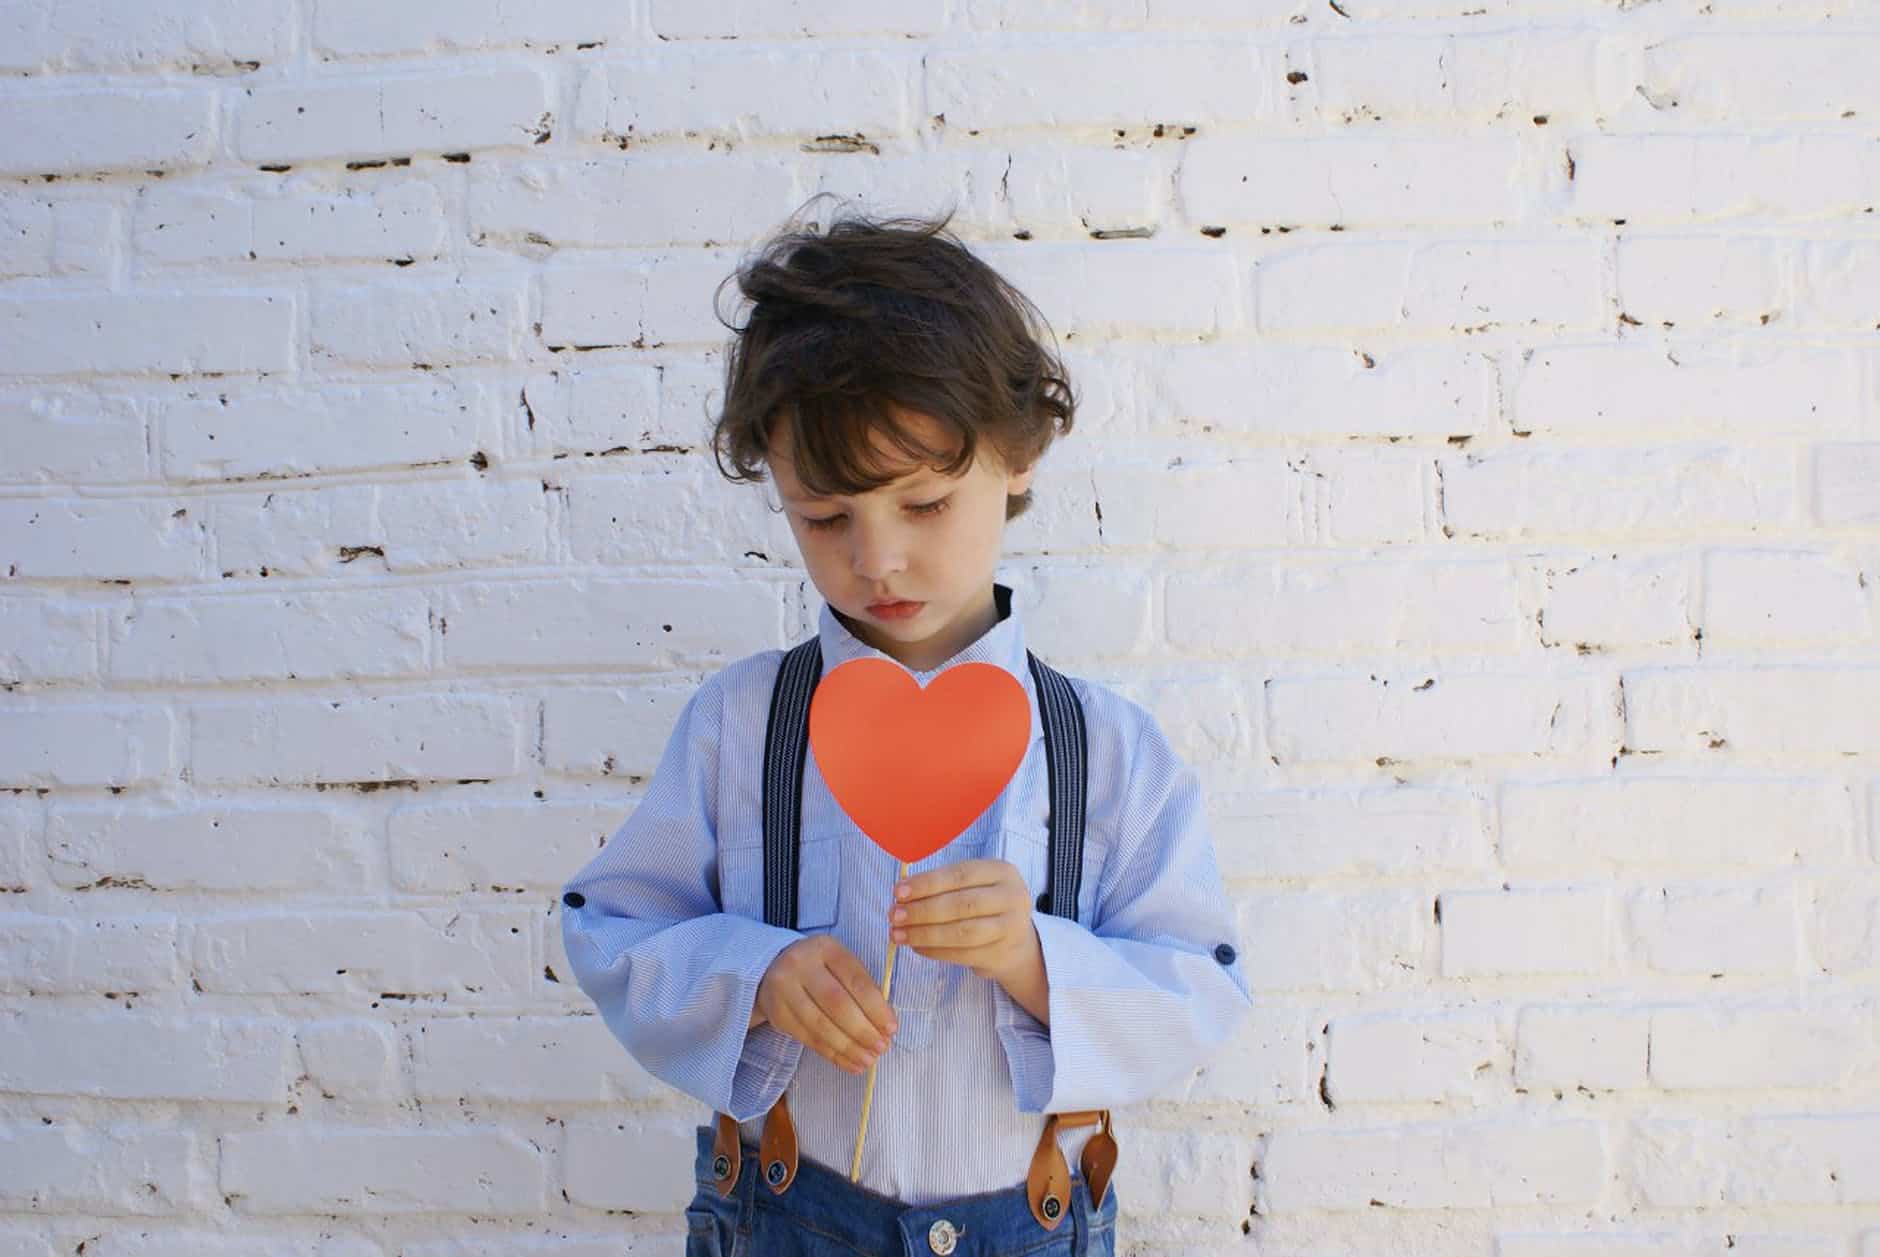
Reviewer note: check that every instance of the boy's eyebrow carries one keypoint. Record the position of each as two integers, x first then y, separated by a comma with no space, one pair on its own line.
925,481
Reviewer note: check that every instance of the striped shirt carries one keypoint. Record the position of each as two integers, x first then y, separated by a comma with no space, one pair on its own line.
669,941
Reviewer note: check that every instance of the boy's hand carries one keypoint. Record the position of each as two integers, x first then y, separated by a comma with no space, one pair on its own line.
819,994
975,913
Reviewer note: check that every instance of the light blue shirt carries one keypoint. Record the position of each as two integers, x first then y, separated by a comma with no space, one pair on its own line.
670,942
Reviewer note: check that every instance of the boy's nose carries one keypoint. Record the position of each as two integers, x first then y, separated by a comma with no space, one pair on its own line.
877,555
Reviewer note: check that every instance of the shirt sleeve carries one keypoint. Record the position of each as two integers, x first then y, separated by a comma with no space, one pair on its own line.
1154,984
673,975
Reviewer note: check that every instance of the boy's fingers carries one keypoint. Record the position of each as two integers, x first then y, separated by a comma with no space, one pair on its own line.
861,985
817,1031
955,876
839,1005
974,932
955,905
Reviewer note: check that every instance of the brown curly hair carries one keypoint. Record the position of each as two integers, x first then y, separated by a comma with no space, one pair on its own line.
845,324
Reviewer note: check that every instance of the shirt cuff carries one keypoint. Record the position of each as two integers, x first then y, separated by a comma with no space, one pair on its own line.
769,1057
1027,1041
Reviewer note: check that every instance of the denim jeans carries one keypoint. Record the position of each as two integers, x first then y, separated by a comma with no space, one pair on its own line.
824,1215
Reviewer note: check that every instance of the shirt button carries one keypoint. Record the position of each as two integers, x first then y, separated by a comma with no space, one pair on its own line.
1224,953
574,899
941,1237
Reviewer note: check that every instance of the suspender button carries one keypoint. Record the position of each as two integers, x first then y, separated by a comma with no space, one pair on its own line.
776,1173
942,1237
721,1167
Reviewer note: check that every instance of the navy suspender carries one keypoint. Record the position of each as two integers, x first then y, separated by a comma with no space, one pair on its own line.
786,750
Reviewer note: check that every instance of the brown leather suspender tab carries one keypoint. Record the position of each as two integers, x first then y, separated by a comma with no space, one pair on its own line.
726,1155
779,1147
1048,1185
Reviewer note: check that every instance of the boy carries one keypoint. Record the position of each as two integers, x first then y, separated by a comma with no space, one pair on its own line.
896,389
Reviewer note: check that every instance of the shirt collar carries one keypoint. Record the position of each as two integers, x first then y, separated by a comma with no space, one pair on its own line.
1002,645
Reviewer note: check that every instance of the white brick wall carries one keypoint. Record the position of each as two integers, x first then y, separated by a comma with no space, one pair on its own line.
1478,473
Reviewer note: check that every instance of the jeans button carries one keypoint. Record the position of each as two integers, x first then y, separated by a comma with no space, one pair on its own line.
941,1237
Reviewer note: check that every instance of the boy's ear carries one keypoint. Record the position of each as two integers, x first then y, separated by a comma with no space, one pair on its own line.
1017,482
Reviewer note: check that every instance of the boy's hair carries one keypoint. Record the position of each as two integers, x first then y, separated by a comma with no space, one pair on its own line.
874,313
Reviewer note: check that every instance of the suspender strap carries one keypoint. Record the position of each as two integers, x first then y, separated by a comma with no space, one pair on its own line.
1064,742
786,750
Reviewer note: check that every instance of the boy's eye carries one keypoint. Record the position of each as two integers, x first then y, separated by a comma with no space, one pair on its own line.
920,508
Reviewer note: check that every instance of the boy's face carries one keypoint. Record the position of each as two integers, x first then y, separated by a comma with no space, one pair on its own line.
925,538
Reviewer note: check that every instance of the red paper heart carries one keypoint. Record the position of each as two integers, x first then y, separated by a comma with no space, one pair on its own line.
914,767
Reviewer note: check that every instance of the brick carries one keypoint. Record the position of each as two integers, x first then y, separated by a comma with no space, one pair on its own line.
781,91
382,1172
68,132
60,436
113,1169
1582,1048
1703,823
1318,392
54,1052
26,236
88,746
1778,710
116,956
1393,1059
364,117
1233,181
99,539
1193,1173
601,410
1710,178
364,28
1115,84
443,417
1773,75
1717,930
1836,283
1565,76
356,1059
607,623
20,827
627,520
1846,488
1495,933
1385,831
499,848
691,19
1598,602
573,1060
1474,1165
444,953
1425,715
422,322
212,845
1784,598
613,1168
1578,390
318,634
1663,492
42,640
1271,1059
619,731
175,332
395,223
1440,285
1359,940
685,200
1759,1047
1122,288
1703,281
1433,607
1059,189
358,742
100,34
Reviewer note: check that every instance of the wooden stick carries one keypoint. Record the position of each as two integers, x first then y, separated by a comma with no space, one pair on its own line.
868,1096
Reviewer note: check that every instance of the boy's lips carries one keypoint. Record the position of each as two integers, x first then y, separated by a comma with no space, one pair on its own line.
896,608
